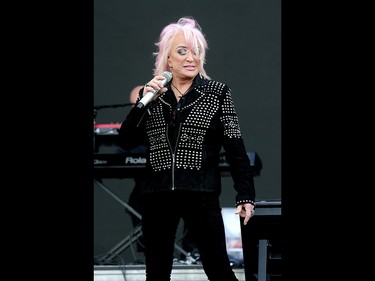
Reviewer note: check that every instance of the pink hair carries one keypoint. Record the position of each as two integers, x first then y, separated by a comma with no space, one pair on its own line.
195,40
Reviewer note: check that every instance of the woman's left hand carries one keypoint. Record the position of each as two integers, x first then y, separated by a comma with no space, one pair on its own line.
245,211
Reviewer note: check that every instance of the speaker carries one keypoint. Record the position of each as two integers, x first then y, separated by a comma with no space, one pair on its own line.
262,242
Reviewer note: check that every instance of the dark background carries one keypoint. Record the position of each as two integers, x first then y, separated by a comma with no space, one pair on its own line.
244,39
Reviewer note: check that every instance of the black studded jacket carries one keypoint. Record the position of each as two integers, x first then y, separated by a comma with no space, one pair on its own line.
184,141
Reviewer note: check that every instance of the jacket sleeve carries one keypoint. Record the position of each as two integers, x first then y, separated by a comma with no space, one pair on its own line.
236,153
132,131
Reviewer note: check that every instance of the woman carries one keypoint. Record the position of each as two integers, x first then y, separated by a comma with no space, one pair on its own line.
187,123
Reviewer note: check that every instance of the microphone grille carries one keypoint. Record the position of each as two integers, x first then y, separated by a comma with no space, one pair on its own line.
167,75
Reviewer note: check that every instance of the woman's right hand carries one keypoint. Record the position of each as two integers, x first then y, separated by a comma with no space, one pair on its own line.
155,85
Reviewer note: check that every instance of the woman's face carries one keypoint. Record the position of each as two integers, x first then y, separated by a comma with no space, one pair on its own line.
183,61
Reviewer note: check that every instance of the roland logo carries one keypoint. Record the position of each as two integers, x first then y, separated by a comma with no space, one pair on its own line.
135,160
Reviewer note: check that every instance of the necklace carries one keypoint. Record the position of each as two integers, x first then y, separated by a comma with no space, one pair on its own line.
181,94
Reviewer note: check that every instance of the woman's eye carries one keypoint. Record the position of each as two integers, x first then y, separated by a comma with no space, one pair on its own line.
182,52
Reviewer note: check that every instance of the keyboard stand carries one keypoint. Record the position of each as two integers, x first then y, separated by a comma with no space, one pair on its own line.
132,237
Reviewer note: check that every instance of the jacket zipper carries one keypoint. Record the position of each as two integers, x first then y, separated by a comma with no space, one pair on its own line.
173,154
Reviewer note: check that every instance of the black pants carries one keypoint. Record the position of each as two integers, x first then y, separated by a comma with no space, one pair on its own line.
135,201
202,215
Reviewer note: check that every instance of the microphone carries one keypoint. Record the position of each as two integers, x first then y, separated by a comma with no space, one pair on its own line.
150,95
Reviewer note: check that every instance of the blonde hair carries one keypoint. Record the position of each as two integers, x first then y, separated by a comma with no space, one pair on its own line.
195,40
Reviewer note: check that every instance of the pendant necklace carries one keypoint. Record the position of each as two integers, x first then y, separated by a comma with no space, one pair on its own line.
181,94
